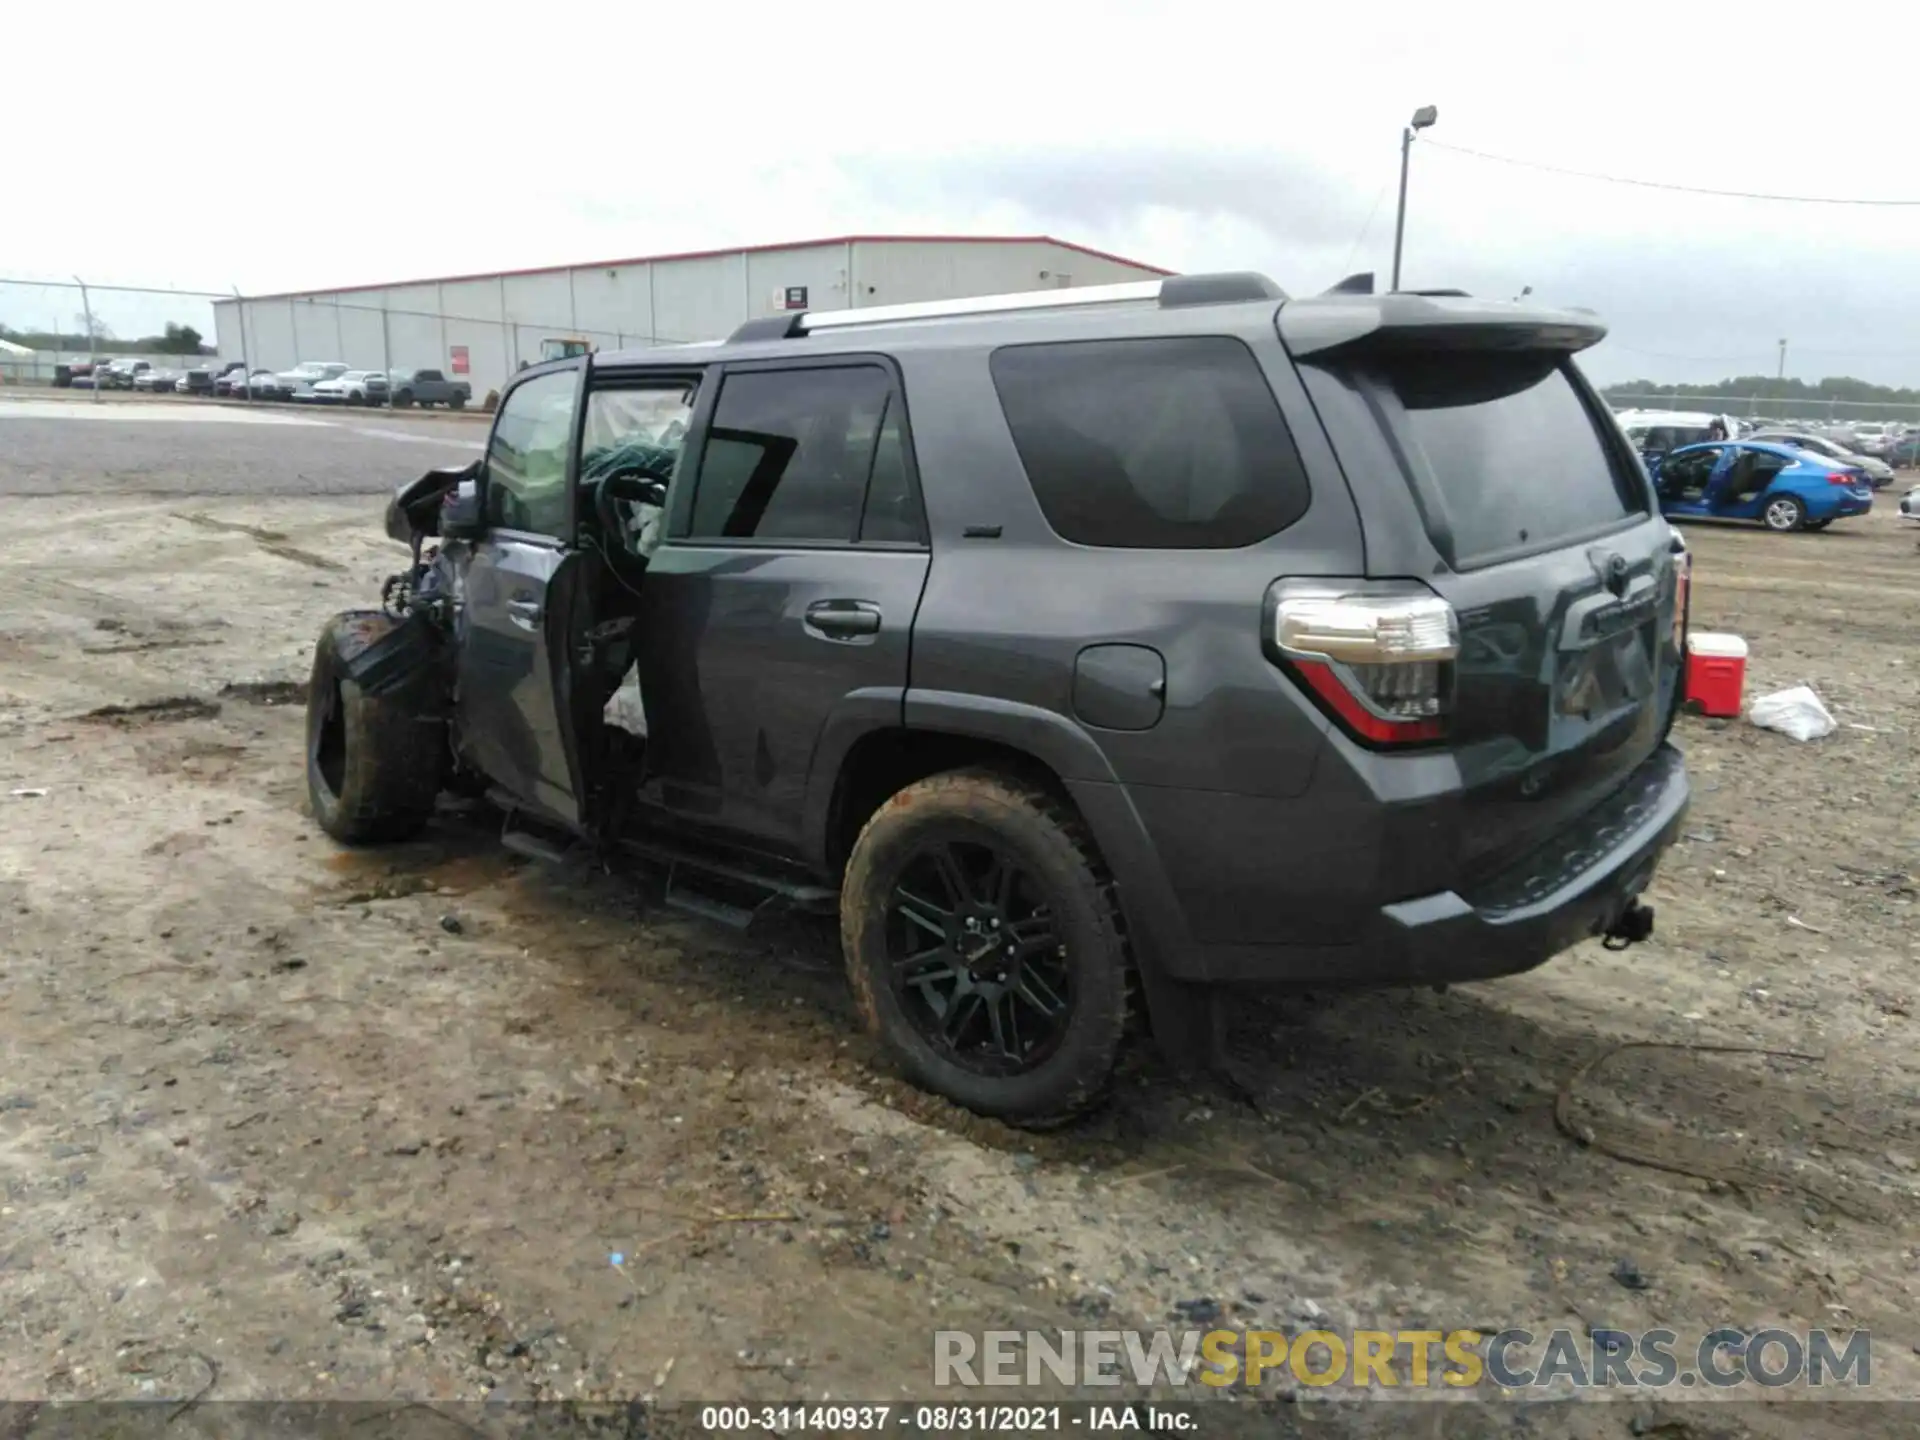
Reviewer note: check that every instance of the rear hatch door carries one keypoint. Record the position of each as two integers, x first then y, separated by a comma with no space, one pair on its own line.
1486,467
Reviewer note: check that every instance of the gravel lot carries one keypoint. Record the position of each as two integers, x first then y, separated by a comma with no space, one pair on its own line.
331,1125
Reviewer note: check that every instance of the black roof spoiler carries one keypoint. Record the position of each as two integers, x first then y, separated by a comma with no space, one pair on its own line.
1351,321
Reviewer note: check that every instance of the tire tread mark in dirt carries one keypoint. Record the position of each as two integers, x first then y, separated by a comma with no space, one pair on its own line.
1735,1173
153,712
271,541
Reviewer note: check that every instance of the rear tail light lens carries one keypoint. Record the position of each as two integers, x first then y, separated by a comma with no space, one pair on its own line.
1379,658
1849,478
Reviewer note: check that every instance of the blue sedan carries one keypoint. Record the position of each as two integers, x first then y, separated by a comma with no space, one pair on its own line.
1783,488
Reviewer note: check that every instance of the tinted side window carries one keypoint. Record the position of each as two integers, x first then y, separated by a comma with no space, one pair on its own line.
1152,444
788,454
893,513
527,456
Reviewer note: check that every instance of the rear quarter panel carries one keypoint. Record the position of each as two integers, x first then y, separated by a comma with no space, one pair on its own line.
1007,617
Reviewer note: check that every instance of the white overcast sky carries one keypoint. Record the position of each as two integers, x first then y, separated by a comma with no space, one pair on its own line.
288,146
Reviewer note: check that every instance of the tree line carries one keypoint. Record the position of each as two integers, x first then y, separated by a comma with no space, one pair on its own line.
1842,388
174,340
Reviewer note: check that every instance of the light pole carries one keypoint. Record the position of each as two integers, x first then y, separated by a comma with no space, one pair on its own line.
1781,374
93,358
1422,118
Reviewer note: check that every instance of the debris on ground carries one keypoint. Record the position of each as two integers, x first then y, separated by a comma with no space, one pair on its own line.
1796,713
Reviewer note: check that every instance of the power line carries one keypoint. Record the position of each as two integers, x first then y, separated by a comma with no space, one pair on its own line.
1668,185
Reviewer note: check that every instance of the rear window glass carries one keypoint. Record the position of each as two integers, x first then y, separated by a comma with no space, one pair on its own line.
1151,444
1508,450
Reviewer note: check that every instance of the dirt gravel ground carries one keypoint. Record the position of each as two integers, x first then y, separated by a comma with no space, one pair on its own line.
314,1124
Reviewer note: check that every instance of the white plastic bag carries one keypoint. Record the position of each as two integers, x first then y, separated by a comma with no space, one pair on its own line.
625,710
1797,713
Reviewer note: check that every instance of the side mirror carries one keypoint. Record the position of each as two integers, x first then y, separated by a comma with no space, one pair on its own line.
461,515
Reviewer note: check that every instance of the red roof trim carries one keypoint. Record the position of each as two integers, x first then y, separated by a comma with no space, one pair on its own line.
728,250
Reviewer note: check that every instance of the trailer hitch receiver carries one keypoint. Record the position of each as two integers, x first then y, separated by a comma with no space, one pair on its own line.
1629,927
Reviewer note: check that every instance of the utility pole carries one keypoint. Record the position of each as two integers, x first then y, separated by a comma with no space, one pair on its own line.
1782,373
386,346
1422,118
86,311
246,364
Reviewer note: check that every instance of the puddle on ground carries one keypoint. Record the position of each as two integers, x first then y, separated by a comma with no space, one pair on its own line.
432,868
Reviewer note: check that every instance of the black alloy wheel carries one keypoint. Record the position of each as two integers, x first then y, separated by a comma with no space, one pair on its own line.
978,964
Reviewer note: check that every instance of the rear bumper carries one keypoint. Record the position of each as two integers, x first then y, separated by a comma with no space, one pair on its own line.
1568,891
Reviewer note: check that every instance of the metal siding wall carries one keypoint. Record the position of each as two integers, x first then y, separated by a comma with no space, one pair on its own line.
901,272
360,338
226,330
415,337
270,336
316,330
700,299
1088,269
897,273
615,299
501,320
821,268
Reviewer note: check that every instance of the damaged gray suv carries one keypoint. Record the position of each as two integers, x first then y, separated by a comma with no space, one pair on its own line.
1091,652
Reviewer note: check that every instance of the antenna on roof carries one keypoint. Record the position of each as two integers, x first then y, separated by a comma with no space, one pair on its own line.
1360,284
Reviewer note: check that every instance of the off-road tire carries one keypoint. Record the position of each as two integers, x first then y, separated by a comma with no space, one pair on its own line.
373,766
1051,840
457,402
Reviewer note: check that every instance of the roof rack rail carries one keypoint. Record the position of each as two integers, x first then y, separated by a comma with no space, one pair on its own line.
1173,291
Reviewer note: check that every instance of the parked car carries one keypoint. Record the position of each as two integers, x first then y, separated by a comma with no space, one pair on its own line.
120,374
298,383
1877,471
427,388
205,378
1910,504
81,373
156,380
1055,736
1782,487
262,384
1655,432
356,387
1904,452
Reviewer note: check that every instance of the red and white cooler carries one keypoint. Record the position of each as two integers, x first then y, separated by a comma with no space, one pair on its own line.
1716,673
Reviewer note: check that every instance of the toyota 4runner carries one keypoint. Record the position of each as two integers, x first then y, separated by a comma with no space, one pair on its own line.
1090,651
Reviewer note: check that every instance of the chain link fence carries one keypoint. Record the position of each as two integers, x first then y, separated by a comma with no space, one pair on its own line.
481,348
51,329
55,333
1758,407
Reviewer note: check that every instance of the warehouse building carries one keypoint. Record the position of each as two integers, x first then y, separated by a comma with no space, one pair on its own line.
484,327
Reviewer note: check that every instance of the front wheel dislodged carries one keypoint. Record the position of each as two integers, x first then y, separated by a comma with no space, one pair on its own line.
985,947
373,765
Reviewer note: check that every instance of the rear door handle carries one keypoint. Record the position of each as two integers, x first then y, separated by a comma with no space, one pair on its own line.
525,613
843,619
